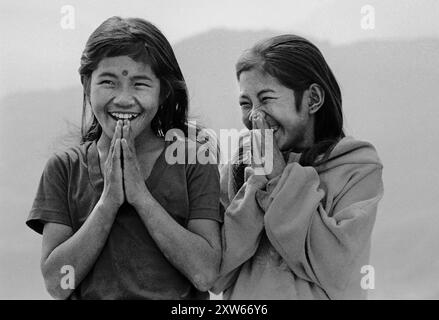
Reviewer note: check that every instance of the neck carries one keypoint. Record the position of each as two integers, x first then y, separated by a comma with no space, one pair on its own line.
307,140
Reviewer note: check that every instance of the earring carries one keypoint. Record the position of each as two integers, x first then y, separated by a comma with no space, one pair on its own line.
159,122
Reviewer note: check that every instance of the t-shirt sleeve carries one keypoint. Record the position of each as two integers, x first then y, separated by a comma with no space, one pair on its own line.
50,203
204,191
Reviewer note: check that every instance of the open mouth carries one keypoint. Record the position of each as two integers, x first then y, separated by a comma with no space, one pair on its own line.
272,124
274,128
123,116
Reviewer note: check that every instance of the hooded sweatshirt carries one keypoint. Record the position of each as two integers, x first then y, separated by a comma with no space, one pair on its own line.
304,234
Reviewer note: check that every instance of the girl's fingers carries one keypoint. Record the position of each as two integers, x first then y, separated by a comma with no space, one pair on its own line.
116,154
125,149
256,138
118,131
130,139
263,126
248,172
117,149
127,134
258,120
258,124
113,140
125,130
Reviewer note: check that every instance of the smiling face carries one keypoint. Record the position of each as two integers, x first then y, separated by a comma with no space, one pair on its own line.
122,88
260,91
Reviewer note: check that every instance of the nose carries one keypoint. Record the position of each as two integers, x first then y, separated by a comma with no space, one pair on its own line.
124,99
255,110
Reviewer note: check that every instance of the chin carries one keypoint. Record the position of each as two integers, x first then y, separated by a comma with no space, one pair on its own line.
281,146
286,146
281,143
109,131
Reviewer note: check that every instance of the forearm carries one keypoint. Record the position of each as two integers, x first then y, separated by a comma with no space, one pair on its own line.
80,251
242,228
323,245
241,231
189,252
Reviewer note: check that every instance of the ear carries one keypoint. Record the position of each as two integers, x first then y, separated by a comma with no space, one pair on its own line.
316,98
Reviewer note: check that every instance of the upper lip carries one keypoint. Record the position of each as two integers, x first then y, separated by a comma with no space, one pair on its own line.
124,112
270,121
273,125
116,115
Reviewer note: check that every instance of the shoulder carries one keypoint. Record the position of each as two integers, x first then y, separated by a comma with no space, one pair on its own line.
350,162
350,153
66,159
351,150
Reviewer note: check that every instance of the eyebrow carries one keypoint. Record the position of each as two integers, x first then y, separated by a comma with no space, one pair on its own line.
244,96
113,75
265,91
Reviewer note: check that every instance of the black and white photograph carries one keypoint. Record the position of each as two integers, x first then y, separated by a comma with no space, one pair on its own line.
219,150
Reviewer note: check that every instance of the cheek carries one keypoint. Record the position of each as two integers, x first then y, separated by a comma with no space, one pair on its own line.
97,99
149,101
245,119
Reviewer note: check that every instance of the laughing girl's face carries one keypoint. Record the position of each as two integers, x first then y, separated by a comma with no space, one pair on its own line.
262,92
122,88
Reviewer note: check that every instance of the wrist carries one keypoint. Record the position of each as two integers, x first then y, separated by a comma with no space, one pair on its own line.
257,181
107,205
143,203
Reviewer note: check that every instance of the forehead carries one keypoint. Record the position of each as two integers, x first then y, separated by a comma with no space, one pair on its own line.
254,80
123,63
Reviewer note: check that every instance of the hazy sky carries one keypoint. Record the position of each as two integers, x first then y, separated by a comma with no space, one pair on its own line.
37,53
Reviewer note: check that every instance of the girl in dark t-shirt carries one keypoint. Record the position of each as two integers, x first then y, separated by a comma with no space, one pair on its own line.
118,220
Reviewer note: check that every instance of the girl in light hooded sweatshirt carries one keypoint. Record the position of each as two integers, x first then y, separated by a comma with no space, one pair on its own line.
303,229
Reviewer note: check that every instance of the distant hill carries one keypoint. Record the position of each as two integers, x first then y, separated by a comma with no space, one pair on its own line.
389,98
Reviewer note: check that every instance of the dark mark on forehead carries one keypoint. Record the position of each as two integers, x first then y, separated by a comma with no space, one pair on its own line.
124,73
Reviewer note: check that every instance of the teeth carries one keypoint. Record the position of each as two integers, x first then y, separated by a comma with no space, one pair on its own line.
124,116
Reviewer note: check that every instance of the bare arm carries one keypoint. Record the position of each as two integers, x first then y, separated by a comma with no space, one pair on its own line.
62,247
241,231
195,251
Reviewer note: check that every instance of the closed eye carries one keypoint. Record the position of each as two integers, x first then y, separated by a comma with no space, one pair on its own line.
107,82
265,99
142,84
245,105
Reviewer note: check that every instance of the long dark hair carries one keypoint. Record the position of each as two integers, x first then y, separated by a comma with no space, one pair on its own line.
297,63
142,41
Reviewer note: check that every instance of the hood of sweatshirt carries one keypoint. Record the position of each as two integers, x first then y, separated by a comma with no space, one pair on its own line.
347,151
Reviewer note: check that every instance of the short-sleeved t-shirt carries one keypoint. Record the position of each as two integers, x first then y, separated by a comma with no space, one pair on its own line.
130,265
